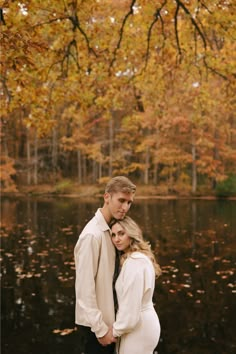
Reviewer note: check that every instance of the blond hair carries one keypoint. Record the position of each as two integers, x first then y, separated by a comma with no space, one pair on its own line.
120,184
137,244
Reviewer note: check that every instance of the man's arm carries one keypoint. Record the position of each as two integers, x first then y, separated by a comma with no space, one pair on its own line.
87,253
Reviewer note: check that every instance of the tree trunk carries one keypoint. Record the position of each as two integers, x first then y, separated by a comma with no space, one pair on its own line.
28,159
111,133
84,178
54,150
100,170
194,226
194,167
79,164
94,171
155,173
215,157
146,171
36,158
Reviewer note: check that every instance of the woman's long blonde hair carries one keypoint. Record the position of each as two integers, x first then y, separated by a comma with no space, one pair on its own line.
137,244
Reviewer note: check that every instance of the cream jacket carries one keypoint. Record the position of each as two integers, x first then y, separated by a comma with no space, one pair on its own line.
95,262
134,287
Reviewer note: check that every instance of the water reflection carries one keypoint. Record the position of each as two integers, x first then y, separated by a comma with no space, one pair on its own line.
195,243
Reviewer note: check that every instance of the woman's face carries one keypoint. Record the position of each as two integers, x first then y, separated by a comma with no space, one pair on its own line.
119,237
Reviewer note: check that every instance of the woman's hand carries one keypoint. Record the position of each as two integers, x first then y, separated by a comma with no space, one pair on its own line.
108,338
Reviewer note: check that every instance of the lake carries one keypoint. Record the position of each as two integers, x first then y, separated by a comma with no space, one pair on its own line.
195,243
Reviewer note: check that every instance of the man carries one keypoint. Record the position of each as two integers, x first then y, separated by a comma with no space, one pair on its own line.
95,265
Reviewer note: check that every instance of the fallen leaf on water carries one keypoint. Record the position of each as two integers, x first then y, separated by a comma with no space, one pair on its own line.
4,234
65,331
9,255
185,285
189,294
28,231
172,291
56,331
216,258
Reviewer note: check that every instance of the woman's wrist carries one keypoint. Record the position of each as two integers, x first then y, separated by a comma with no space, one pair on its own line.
115,335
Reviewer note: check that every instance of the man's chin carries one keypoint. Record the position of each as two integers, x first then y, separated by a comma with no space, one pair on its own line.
120,217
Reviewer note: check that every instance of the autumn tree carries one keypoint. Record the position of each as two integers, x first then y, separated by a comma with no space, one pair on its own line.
94,88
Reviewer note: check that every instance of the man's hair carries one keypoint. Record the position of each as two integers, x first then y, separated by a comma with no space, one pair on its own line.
120,184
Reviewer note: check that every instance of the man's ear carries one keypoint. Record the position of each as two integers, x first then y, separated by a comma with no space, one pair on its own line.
107,198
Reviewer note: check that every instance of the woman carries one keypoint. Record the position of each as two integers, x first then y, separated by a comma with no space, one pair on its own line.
137,323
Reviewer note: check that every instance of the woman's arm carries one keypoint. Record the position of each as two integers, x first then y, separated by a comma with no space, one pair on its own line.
130,301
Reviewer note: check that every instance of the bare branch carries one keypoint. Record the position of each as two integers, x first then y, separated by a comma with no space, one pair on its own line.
76,25
176,30
122,32
205,7
73,17
50,21
214,70
186,10
90,49
157,16
70,53
51,66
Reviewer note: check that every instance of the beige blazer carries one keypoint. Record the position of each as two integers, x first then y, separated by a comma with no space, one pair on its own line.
95,262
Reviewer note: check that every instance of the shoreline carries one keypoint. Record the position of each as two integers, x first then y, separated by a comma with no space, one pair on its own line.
66,189
100,195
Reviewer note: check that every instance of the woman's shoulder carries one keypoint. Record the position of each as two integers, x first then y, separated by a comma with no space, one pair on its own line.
136,262
138,255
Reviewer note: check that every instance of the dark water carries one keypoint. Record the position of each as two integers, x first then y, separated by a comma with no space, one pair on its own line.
195,297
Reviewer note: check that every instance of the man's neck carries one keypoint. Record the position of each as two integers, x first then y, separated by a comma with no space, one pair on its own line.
106,214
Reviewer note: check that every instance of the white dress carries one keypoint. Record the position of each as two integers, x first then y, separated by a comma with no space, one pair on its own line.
136,322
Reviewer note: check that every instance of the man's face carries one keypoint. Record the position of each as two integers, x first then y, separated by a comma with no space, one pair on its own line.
119,204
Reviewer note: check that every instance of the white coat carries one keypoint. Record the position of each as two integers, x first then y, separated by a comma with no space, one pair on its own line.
137,323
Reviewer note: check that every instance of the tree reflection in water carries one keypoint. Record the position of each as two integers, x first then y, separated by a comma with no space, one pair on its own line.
195,245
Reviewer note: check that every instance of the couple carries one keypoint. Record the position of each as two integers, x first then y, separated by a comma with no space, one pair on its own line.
135,328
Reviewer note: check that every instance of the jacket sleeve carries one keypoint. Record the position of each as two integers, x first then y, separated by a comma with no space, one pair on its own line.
87,253
130,301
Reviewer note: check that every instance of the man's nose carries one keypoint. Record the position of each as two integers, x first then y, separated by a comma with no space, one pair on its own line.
126,206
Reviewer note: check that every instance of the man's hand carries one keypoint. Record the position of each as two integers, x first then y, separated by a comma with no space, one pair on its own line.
107,339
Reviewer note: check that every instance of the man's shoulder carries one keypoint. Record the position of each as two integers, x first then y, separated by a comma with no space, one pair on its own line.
92,227
96,226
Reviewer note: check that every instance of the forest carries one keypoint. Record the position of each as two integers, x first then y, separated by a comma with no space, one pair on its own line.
95,88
